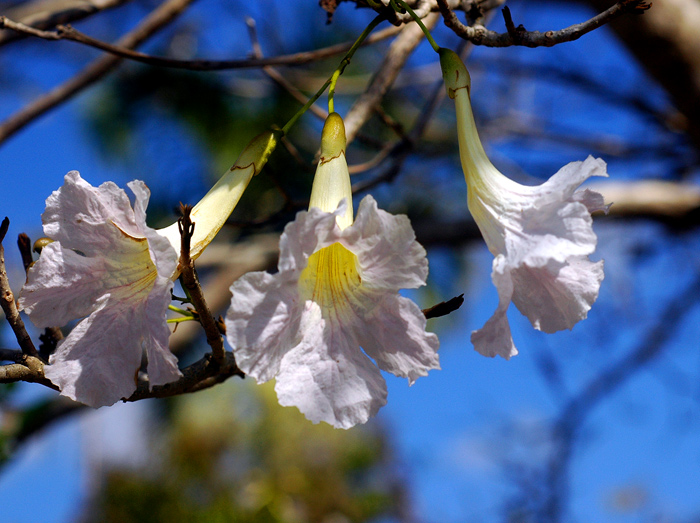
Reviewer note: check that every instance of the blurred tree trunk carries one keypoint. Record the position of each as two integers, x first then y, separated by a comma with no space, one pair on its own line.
666,41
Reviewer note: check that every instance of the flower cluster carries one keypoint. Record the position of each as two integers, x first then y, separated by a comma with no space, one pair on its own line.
330,319
115,274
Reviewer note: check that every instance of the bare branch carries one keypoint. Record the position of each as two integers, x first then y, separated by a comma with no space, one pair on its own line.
479,35
157,19
29,369
66,32
41,14
7,301
200,375
191,283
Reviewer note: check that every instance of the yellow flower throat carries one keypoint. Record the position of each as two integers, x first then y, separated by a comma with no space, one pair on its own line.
332,281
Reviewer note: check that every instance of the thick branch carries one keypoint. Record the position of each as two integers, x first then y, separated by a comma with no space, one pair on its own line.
200,375
479,35
158,18
666,41
29,369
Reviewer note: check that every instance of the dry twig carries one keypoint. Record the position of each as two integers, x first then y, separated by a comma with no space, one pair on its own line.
7,300
191,284
66,32
479,35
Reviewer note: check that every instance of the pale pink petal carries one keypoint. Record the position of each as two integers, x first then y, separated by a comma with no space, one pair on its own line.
394,335
62,286
310,231
83,217
565,182
98,361
389,256
262,323
163,255
557,296
327,377
494,338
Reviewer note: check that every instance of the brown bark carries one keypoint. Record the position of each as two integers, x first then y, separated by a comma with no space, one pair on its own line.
666,41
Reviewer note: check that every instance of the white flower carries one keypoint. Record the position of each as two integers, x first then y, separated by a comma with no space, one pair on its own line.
108,265
336,291
109,269
540,236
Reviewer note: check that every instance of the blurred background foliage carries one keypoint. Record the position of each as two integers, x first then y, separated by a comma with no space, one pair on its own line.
226,455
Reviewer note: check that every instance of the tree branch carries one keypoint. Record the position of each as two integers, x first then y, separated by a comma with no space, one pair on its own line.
7,301
200,375
41,14
191,283
66,32
157,19
479,35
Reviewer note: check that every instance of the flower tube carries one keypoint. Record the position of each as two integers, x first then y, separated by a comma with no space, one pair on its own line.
109,268
336,291
540,236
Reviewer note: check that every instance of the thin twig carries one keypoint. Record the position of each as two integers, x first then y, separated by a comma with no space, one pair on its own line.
276,76
66,32
25,250
41,14
157,19
444,307
7,301
191,283
479,35
403,148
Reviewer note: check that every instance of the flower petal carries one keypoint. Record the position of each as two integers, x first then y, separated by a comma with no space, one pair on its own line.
310,231
389,256
154,333
557,296
96,364
494,338
108,265
62,286
327,377
394,336
262,323
83,217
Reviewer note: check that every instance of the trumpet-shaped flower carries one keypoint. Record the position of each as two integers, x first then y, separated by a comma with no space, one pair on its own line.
336,291
540,236
109,268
